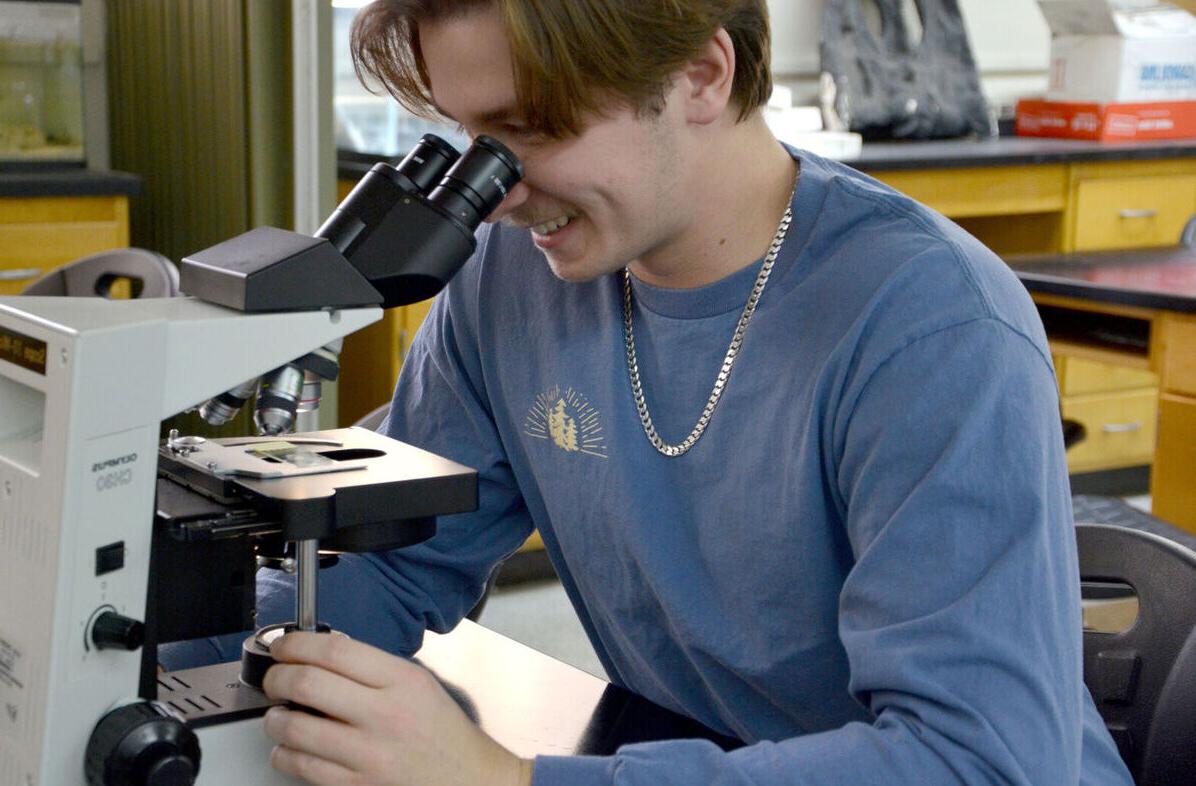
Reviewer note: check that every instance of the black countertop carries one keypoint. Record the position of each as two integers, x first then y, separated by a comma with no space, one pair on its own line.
1161,278
68,182
942,154
1011,151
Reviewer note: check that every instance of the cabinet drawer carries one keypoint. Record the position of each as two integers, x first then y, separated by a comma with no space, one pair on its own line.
1132,212
50,245
1079,376
984,191
1121,429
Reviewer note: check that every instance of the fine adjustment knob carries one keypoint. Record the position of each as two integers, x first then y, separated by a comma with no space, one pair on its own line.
112,631
142,744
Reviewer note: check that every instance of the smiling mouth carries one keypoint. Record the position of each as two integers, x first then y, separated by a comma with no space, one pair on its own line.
549,227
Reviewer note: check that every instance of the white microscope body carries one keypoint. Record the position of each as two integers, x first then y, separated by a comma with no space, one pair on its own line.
84,386
91,504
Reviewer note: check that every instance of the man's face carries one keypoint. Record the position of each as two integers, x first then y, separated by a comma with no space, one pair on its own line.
593,203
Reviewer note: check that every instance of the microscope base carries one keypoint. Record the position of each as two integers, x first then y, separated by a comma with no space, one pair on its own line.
226,715
238,752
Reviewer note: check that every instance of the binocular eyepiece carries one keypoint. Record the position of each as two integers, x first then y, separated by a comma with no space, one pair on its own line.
407,229
467,186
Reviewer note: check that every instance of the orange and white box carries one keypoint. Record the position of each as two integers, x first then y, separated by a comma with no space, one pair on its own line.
1107,121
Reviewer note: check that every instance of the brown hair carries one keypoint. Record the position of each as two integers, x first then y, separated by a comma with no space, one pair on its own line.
573,57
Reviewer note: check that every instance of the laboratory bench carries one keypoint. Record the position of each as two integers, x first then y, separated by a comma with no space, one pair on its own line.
528,702
53,216
1122,326
535,705
1024,195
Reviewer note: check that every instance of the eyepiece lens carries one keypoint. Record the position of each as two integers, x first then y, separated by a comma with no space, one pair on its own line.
502,152
478,182
428,161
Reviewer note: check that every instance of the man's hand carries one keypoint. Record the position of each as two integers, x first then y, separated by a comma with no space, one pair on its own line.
387,721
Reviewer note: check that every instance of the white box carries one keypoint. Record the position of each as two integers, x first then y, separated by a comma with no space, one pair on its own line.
1127,51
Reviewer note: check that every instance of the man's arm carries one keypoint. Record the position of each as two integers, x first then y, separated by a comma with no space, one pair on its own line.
960,617
388,599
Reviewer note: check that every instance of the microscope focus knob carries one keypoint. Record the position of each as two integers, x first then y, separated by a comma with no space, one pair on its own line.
142,744
112,631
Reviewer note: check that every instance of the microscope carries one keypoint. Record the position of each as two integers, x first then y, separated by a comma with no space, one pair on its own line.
113,541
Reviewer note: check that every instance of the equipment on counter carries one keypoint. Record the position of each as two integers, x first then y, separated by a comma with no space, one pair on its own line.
394,212
112,542
913,78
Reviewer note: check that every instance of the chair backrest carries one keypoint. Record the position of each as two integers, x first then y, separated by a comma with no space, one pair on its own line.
1188,236
374,419
150,274
1143,679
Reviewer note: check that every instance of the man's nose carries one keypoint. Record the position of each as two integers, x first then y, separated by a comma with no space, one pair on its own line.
515,197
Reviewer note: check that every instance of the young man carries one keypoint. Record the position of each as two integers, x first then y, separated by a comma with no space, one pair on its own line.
791,439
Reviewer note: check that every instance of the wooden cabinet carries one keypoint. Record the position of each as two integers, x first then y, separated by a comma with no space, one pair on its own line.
1121,429
1132,212
1079,376
1116,404
38,234
1085,206
1172,485
371,359
1173,480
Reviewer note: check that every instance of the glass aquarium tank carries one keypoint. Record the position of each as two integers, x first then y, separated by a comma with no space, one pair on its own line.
41,84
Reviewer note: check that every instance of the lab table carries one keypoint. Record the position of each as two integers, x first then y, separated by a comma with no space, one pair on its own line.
534,705
1132,309
54,216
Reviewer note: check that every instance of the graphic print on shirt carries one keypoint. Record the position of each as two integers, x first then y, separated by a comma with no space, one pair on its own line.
567,420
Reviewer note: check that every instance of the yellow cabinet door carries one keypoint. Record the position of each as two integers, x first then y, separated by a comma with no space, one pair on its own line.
38,234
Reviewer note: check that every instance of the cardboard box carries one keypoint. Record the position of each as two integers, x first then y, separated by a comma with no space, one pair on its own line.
1105,122
1120,51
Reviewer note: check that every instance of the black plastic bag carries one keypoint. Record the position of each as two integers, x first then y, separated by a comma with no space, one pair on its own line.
887,88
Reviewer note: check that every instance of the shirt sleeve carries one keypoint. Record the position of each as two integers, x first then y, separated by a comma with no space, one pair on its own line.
961,614
389,598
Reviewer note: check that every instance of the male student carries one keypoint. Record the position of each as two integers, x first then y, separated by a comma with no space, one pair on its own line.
790,438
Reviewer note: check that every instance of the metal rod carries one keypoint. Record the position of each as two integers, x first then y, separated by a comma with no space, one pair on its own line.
308,568
307,413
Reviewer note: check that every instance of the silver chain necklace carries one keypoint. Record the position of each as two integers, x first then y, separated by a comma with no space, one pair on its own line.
720,382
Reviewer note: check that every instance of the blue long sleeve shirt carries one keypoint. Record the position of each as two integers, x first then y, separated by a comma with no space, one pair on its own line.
865,568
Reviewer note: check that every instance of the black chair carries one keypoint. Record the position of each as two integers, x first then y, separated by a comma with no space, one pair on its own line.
374,419
1143,678
148,273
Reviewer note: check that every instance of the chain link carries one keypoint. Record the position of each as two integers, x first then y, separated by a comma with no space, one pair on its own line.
720,382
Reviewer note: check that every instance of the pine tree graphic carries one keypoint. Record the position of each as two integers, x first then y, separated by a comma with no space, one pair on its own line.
562,427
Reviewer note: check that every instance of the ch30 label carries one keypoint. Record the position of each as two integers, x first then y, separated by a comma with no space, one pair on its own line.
112,480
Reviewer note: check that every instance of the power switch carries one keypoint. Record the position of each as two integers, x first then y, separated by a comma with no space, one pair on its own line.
110,557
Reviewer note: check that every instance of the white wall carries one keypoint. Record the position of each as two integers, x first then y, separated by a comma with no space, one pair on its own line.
1009,39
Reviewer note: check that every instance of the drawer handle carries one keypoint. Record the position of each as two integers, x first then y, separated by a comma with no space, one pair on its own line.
1147,213
1121,428
20,274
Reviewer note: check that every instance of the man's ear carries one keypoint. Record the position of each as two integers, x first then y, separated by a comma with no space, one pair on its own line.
706,80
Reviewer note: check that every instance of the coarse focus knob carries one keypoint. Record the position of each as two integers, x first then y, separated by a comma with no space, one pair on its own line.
112,631
142,744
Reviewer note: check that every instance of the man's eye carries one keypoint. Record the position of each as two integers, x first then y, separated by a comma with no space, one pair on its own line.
527,136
